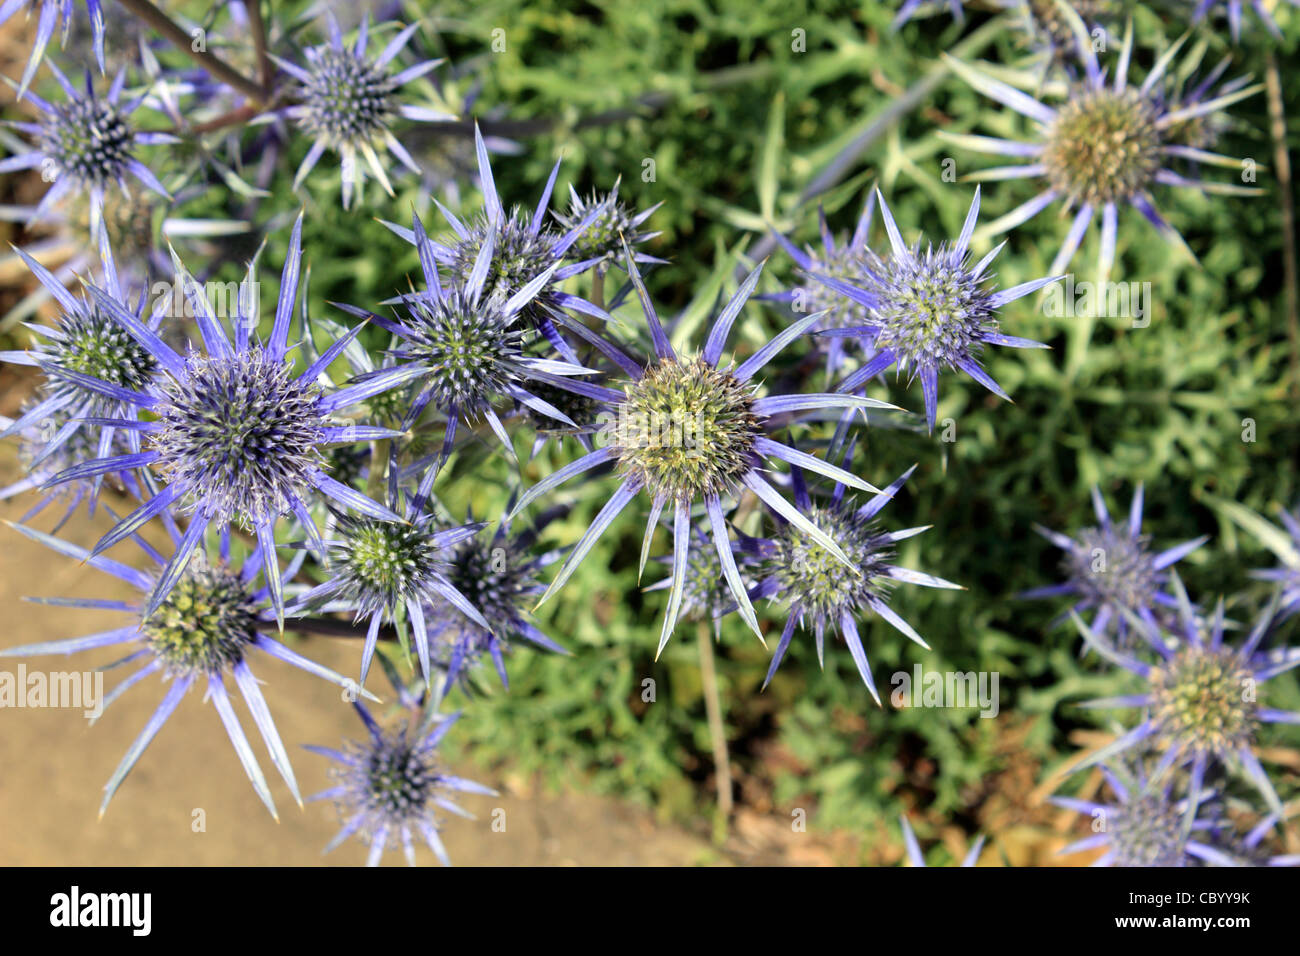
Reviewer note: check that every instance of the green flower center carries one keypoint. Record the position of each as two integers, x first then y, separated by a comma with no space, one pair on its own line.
1203,701
1103,147
204,624
387,557
819,581
686,430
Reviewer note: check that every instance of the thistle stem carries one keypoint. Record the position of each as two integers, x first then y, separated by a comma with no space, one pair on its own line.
1282,163
717,732
177,36
259,44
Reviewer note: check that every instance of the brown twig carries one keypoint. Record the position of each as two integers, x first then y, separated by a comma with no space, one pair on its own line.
1282,164
177,36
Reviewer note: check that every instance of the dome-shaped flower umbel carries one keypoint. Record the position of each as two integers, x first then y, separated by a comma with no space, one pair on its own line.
1111,569
387,570
687,430
347,101
1200,703
1105,147
85,144
929,312
824,593
52,11
235,438
391,790
200,635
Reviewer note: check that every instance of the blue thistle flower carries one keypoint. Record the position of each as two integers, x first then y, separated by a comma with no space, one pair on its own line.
234,436
601,241
687,430
1145,824
202,634
391,790
1234,11
500,576
821,590
918,858
1105,147
85,144
846,262
1199,703
348,101
52,11
1111,570
87,343
705,592
387,570
465,346
508,254
929,312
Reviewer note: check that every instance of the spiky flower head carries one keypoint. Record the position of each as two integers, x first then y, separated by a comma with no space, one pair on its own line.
238,439
706,595
688,430
391,789
243,430
84,144
348,101
1144,824
929,312
512,256
83,347
501,578
1200,697
824,593
601,242
1107,146
466,347
845,261
388,570
1112,570
202,634
51,13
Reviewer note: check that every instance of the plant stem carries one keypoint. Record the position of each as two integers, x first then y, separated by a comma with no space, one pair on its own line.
259,43
333,627
1282,163
717,732
177,36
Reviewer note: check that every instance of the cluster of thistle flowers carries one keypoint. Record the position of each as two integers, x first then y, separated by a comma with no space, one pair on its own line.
1173,772
103,141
